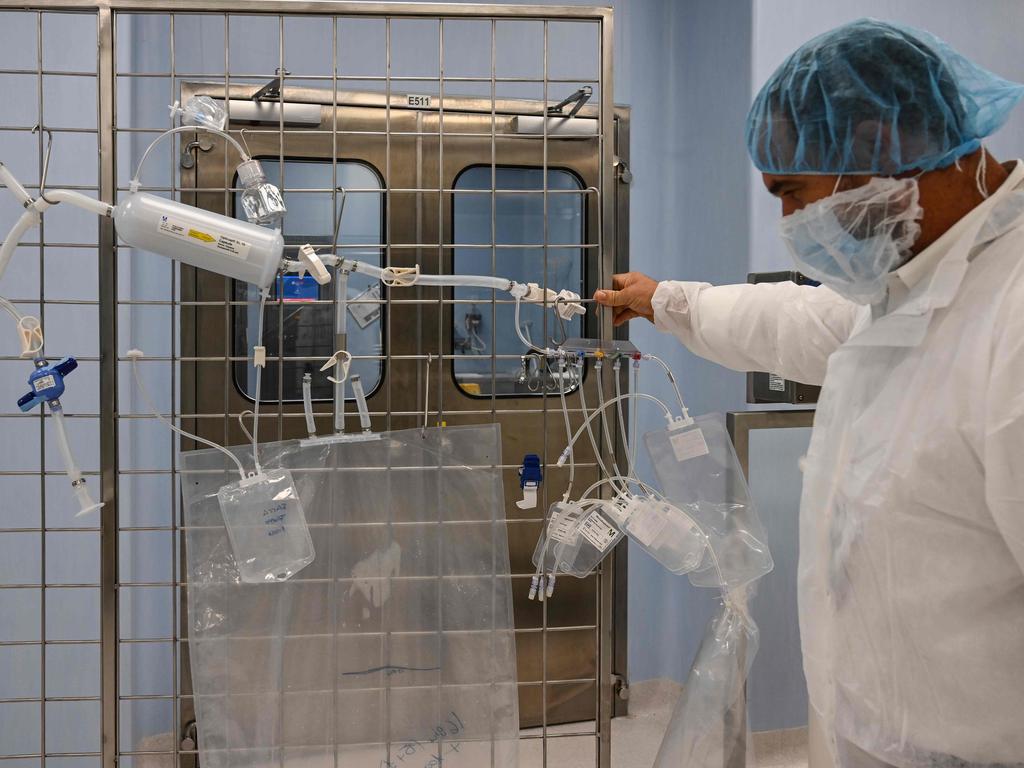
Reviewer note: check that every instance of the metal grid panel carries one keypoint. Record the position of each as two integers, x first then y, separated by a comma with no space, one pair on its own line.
139,609
50,580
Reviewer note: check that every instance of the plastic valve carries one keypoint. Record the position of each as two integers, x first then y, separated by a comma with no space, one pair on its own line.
46,383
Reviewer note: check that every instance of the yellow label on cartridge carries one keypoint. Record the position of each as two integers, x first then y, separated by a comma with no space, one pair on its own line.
228,246
201,236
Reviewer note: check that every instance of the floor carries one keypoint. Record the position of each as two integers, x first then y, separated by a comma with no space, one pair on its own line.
635,738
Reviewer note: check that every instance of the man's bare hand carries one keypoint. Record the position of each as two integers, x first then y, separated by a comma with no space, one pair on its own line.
631,297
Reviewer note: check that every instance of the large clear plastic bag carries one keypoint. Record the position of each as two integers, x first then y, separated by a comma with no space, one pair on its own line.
699,472
395,646
708,728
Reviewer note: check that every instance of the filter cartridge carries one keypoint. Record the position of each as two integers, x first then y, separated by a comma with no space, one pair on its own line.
200,238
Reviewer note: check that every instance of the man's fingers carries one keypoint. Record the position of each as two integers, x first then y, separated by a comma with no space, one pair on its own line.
611,298
622,279
624,316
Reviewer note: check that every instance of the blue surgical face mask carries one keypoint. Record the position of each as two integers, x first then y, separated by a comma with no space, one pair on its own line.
851,240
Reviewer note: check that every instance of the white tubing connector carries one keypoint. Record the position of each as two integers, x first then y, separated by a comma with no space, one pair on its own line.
566,303
312,264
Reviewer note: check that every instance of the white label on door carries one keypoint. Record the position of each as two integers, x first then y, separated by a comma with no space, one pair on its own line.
418,101
229,246
689,444
365,308
776,383
647,523
598,531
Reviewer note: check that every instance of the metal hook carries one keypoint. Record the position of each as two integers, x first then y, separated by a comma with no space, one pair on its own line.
341,212
241,135
561,323
426,396
46,159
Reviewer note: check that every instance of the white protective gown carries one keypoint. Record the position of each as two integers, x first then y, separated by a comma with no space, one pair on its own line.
911,577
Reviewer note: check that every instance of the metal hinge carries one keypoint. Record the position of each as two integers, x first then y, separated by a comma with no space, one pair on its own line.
620,685
622,172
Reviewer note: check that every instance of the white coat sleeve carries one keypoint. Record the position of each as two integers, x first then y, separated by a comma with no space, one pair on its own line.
1004,422
781,328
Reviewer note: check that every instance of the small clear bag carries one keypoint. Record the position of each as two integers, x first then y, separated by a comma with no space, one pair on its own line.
201,110
698,470
665,532
577,538
266,526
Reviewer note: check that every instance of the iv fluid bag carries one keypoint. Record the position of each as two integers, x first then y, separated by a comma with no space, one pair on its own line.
699,472
397,640
577,538
266,526
666,533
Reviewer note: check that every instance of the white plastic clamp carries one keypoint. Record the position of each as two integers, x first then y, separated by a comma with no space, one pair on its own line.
313,264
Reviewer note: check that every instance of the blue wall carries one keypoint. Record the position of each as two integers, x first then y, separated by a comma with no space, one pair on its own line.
684,68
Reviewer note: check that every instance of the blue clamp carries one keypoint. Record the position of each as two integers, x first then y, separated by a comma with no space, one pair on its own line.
46,383
530,478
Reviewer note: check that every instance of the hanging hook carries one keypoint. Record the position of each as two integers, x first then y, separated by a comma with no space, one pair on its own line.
561,323
46,159
426,397
341,212
536,379
241,135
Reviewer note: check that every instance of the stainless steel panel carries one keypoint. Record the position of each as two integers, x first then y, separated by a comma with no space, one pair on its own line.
566,647
414,151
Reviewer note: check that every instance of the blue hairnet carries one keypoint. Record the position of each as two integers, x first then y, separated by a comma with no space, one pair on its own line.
876,98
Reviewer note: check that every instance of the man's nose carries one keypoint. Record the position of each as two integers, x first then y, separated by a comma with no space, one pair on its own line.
789,205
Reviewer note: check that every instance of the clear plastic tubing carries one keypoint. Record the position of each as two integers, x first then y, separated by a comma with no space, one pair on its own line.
471,281
364,411
307,403
85,502
8,180
340,342
29,218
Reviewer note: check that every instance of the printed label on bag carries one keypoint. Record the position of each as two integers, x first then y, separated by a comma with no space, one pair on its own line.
229,246
365,308
44,382
689,445
776,383
562,527
647,523
597,531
